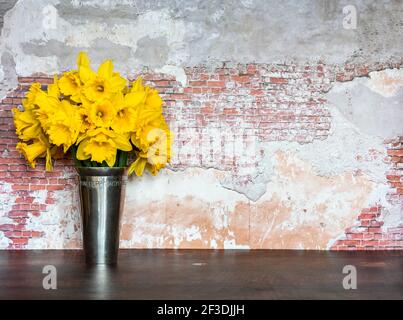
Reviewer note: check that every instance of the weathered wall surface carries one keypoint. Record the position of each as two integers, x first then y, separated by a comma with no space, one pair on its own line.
288,124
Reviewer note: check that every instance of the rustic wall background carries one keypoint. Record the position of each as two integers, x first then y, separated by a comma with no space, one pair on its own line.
288,121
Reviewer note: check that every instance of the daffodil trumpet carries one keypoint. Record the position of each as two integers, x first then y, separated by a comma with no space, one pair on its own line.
97,116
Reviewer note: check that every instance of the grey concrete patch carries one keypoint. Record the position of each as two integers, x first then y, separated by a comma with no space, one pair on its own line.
8,76
152,52
5,5
196,31
371,112
65,53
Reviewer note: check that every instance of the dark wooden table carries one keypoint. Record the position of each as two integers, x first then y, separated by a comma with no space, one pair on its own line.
204,274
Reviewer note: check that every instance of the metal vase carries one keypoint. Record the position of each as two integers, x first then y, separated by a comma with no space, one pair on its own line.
102,192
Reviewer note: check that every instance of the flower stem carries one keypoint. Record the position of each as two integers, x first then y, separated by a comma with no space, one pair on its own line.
122,159
73,150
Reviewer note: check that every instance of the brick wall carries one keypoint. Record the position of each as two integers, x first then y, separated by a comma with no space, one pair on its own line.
368,233
266,102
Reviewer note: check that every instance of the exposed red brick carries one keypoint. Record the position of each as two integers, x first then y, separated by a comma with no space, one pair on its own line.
215,97
278,80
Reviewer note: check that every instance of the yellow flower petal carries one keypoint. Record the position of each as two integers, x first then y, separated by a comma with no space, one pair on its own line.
32,151
138,85
26,124
122,142
83,60
137,166
105,70
135,98
102,113
70,85
86,74
49,166
117,83
81,154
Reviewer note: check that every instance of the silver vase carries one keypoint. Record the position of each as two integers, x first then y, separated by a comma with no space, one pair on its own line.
102,192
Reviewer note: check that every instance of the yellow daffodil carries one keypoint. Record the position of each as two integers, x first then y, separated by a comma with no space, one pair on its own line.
102,113
99,148
27,126
144,135
103,84
138,165
53,88
159,153
32,151
137,86
126,111
149,115
153,100
39,148
29,101
70,85
86,123
155,154
101,145
83,61
95,114
46,107
156,158
64,126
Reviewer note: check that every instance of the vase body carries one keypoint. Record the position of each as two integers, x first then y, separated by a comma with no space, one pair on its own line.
102,192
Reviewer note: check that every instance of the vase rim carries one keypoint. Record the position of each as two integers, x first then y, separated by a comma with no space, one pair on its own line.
101,171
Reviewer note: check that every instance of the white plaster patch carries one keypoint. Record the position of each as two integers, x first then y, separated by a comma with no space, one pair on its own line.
4,241
345,149
105,4
83,36
371,105
60,223
301,208
193,233
231,244
213,244
175,71
140,238
386,82
202,184
1,73
6,200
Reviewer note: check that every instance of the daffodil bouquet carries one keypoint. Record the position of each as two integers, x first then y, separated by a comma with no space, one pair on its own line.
96,116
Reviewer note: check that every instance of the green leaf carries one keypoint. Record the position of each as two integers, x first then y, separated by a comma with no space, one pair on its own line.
73,150
87,163
123,159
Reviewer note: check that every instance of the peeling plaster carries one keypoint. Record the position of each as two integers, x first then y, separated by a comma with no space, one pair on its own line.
285,201
387,82
4,241
194,32
345,149
6,200
180,210
177,72
374,104
293,213
52,50
60,223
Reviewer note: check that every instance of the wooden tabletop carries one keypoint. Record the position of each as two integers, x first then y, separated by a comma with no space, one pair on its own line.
203,274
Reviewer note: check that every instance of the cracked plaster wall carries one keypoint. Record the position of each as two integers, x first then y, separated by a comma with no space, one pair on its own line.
277,193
